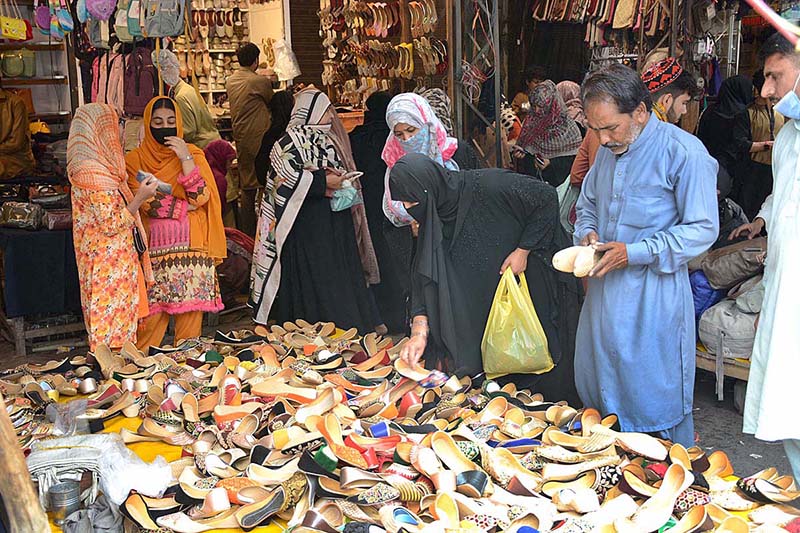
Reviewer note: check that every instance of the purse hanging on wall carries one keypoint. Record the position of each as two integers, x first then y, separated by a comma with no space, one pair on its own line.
28,63
12,25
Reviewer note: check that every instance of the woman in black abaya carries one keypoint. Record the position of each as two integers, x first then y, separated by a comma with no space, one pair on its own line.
310,262
472,226
367,141
716,125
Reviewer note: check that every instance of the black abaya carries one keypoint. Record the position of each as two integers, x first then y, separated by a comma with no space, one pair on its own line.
555,173
400,241
367,142
716,126
321,274
498,212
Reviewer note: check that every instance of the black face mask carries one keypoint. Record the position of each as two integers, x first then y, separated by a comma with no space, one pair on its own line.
161,134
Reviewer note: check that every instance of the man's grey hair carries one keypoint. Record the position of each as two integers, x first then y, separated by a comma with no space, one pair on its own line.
618,84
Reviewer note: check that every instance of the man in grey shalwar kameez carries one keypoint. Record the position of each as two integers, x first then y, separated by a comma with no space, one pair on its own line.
650,201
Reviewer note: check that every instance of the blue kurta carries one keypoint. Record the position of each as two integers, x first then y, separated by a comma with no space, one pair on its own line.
635,347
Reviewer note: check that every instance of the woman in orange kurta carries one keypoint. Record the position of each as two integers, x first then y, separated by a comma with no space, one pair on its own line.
184,227
104,214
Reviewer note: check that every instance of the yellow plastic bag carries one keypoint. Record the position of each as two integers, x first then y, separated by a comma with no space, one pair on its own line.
514,341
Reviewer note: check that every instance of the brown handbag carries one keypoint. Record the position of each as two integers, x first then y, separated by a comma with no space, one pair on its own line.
728,266
58,219
21,215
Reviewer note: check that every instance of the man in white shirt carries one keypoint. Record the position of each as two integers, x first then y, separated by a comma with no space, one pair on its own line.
775,363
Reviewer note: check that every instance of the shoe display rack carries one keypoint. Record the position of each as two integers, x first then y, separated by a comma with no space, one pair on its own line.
207,50
370,45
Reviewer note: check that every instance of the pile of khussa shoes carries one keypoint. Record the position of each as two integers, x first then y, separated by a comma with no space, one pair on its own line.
319,429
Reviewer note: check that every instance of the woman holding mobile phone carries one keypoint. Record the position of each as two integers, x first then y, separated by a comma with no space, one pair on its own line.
312,262
186,236
105,214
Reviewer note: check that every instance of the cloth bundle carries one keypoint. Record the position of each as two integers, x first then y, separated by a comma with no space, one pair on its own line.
115,469
55,460
101,517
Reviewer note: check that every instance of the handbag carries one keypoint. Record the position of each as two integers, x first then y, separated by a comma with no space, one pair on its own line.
726,267
12,64
41,16
345,198
49,197
138,239
101,10
138,242
64,17
12,25
10,193
56,31
28,63
21,215
58,219
81,12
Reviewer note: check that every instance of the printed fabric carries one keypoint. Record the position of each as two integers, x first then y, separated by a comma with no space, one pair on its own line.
432,140
548,131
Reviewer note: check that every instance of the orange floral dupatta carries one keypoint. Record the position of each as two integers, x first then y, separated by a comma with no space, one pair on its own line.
96,161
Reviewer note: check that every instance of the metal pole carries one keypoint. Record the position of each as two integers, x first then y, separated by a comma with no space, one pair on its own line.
496,41
455,56
450,67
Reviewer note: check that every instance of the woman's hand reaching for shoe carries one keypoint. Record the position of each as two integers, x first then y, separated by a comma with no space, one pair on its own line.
415,347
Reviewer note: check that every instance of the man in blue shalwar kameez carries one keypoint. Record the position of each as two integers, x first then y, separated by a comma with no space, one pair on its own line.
649,204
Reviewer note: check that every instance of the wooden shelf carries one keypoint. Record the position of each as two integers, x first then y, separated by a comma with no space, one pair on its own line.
32,46
214,51
63,115
17,82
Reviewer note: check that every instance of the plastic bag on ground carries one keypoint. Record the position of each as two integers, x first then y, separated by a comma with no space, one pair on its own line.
514,341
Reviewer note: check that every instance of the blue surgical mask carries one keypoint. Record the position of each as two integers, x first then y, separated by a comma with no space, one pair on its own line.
419,143
789,105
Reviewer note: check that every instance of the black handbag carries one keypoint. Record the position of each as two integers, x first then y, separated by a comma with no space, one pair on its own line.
138,239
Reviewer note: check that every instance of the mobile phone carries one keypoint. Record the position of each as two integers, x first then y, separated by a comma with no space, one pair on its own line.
539,160
165,188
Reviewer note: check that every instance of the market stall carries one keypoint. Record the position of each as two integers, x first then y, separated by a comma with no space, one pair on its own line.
39,273
65,56
315,427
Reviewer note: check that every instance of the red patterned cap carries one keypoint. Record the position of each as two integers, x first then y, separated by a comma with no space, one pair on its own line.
661,74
